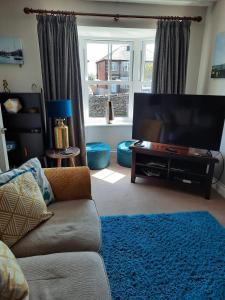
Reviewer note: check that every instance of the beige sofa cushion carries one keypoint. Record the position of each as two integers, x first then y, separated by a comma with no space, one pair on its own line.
67,276
75,226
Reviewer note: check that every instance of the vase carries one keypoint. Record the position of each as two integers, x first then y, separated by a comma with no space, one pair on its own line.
61,135
109,112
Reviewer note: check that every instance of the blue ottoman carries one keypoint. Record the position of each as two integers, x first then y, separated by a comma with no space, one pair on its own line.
98,155
124,154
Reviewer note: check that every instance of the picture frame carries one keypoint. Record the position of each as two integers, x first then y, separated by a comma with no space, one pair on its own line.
11,51
218,65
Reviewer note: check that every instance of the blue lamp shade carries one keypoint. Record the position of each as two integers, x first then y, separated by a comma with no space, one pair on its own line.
59,108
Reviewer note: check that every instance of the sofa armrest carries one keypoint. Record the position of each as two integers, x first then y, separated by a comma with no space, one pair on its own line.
69,183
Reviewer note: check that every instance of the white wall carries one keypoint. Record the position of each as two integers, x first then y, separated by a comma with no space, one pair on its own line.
215,23
14,23
111,134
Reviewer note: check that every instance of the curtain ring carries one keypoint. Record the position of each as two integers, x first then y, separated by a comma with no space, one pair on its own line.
116,18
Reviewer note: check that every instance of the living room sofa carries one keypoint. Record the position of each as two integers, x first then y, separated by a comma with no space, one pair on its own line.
59,258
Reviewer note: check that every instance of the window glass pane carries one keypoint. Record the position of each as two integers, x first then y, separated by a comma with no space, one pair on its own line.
146,87
120,61
148,67
98,95
149,51
108,61
97,61
119,95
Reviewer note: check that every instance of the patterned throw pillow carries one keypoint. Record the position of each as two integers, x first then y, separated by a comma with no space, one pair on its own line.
13,284
22,208
34,165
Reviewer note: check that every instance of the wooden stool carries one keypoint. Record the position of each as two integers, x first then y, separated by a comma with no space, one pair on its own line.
61,154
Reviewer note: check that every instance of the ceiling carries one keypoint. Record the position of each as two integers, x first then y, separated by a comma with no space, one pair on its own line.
165,2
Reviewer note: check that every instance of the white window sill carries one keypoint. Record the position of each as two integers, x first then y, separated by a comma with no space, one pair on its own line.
101,124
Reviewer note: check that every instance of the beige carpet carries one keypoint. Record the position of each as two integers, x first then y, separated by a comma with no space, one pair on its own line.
115,194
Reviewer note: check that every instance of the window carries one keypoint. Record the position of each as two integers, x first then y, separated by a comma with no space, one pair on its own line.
114,66
114,70
125,66
105,79
147,66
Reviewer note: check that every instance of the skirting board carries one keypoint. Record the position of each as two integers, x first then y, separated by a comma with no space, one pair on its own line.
219,187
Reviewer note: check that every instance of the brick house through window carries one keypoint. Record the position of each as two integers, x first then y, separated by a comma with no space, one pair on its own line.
118,63
114,70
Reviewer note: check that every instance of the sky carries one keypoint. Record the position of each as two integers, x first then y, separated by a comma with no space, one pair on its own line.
219,52
9,44
95,51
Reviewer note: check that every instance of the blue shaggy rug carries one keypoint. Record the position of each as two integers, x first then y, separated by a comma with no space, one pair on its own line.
166,256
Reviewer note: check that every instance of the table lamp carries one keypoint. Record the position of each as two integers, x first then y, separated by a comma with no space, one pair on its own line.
60,109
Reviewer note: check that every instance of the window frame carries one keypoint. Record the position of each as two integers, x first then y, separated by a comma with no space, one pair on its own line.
135,78
143,61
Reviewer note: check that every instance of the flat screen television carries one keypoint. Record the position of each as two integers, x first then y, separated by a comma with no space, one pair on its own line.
184,120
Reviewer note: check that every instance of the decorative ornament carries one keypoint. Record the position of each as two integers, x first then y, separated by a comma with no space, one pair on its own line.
109,112
5,86
13,106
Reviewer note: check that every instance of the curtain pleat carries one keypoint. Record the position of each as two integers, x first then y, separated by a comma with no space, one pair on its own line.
171,56
59,52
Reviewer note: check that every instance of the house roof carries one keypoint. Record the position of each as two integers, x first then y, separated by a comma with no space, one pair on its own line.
120,53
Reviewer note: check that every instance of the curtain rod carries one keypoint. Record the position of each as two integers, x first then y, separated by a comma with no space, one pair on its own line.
116,17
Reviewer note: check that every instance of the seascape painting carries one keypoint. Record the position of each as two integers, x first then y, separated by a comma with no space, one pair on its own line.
11,51
218,66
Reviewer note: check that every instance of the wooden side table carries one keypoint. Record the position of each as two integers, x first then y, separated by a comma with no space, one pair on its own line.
61,154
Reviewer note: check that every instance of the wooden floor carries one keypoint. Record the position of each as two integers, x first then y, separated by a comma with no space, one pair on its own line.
115,195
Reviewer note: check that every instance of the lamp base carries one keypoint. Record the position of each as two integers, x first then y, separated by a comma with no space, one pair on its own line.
61,135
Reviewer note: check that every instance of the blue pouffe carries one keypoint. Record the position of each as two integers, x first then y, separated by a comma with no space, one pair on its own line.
124,153
98,155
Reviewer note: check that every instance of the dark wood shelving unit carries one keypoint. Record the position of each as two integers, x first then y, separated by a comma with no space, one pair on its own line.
190,166
27,128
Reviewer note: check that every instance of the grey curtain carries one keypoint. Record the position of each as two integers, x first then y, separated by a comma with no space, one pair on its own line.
59,52
171,57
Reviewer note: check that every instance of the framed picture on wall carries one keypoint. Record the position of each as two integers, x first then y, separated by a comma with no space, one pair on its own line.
218,66
11,51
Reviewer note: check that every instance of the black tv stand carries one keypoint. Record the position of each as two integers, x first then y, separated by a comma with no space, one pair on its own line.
171,149
183,165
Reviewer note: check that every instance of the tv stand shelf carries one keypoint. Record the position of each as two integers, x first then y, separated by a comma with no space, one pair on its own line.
185,165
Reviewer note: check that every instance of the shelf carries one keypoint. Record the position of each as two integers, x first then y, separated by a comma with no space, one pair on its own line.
194,182
188,173
153,167
171,170
145,176
23,121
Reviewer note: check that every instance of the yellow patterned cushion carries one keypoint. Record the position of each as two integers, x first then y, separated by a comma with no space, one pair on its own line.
22,208
13,284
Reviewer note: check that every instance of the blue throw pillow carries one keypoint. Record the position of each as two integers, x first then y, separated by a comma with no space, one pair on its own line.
33,165
7,176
